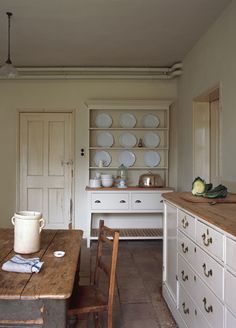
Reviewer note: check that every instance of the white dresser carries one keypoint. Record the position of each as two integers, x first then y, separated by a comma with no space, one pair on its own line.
199,268
126,201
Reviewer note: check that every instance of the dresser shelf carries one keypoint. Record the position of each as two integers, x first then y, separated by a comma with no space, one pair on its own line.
134,234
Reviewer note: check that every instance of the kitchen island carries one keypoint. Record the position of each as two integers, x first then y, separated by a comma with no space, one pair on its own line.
199,267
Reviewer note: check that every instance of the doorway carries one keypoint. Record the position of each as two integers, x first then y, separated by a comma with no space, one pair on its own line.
206,136
46,167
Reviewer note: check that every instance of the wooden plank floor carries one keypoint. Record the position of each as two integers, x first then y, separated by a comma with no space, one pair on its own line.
138,300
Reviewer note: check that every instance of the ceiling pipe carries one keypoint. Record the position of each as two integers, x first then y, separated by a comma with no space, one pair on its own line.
81,73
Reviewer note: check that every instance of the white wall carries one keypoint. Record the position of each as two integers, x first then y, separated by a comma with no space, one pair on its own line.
211,61
50,95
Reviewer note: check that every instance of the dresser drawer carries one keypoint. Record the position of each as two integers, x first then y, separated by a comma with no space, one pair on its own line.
186,248
230,253
146,201
186,223
189,312
209,304
109,201
230,294
210,239
210,271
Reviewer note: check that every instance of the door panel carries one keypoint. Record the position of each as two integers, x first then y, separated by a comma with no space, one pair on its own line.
35,148
46,166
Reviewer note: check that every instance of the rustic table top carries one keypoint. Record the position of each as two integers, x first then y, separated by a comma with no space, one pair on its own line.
222,215
56,278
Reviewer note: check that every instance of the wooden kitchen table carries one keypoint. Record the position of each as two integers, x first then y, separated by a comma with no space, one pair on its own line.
39,299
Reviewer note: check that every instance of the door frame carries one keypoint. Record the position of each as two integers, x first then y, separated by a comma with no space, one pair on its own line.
73,179
203,103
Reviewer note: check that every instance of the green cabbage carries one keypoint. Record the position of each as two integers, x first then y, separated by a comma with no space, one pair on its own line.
198,186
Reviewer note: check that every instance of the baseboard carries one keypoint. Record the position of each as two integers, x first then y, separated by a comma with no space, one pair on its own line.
172,307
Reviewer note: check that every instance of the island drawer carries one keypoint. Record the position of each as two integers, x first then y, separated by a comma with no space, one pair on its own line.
210,239
186,223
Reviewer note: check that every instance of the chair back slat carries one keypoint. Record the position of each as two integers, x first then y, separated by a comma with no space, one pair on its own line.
111,238
104,267
107,240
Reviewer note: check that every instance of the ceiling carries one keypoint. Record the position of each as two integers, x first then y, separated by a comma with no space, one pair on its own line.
104,33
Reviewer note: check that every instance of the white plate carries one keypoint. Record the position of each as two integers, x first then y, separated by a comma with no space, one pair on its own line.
152,158
105,139
127,140
103,156
103,120
127,158
59,253
127,120
150,121
151,140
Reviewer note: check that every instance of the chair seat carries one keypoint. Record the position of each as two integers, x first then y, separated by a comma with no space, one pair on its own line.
87,299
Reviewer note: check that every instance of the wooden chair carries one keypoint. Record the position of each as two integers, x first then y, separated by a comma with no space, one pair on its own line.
95,298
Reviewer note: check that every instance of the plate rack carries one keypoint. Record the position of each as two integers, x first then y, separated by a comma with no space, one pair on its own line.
139,123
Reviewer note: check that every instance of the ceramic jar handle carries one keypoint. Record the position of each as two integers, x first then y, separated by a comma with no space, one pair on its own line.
41,224
13,220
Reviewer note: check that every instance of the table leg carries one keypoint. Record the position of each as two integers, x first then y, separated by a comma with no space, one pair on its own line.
55,313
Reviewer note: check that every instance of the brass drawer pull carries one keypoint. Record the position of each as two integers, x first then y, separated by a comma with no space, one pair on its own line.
97,201
122,201
138,201
184,277
186,311
206,239
184,223
184,249
209,308
207,273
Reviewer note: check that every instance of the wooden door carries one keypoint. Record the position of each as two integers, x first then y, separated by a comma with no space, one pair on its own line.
46,166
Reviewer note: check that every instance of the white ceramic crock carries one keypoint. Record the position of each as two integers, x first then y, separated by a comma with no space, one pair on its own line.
28,226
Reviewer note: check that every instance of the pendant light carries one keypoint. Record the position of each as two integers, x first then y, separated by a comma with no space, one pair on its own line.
8,70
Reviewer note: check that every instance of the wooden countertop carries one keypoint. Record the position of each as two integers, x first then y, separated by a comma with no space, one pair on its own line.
222,215
127,189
